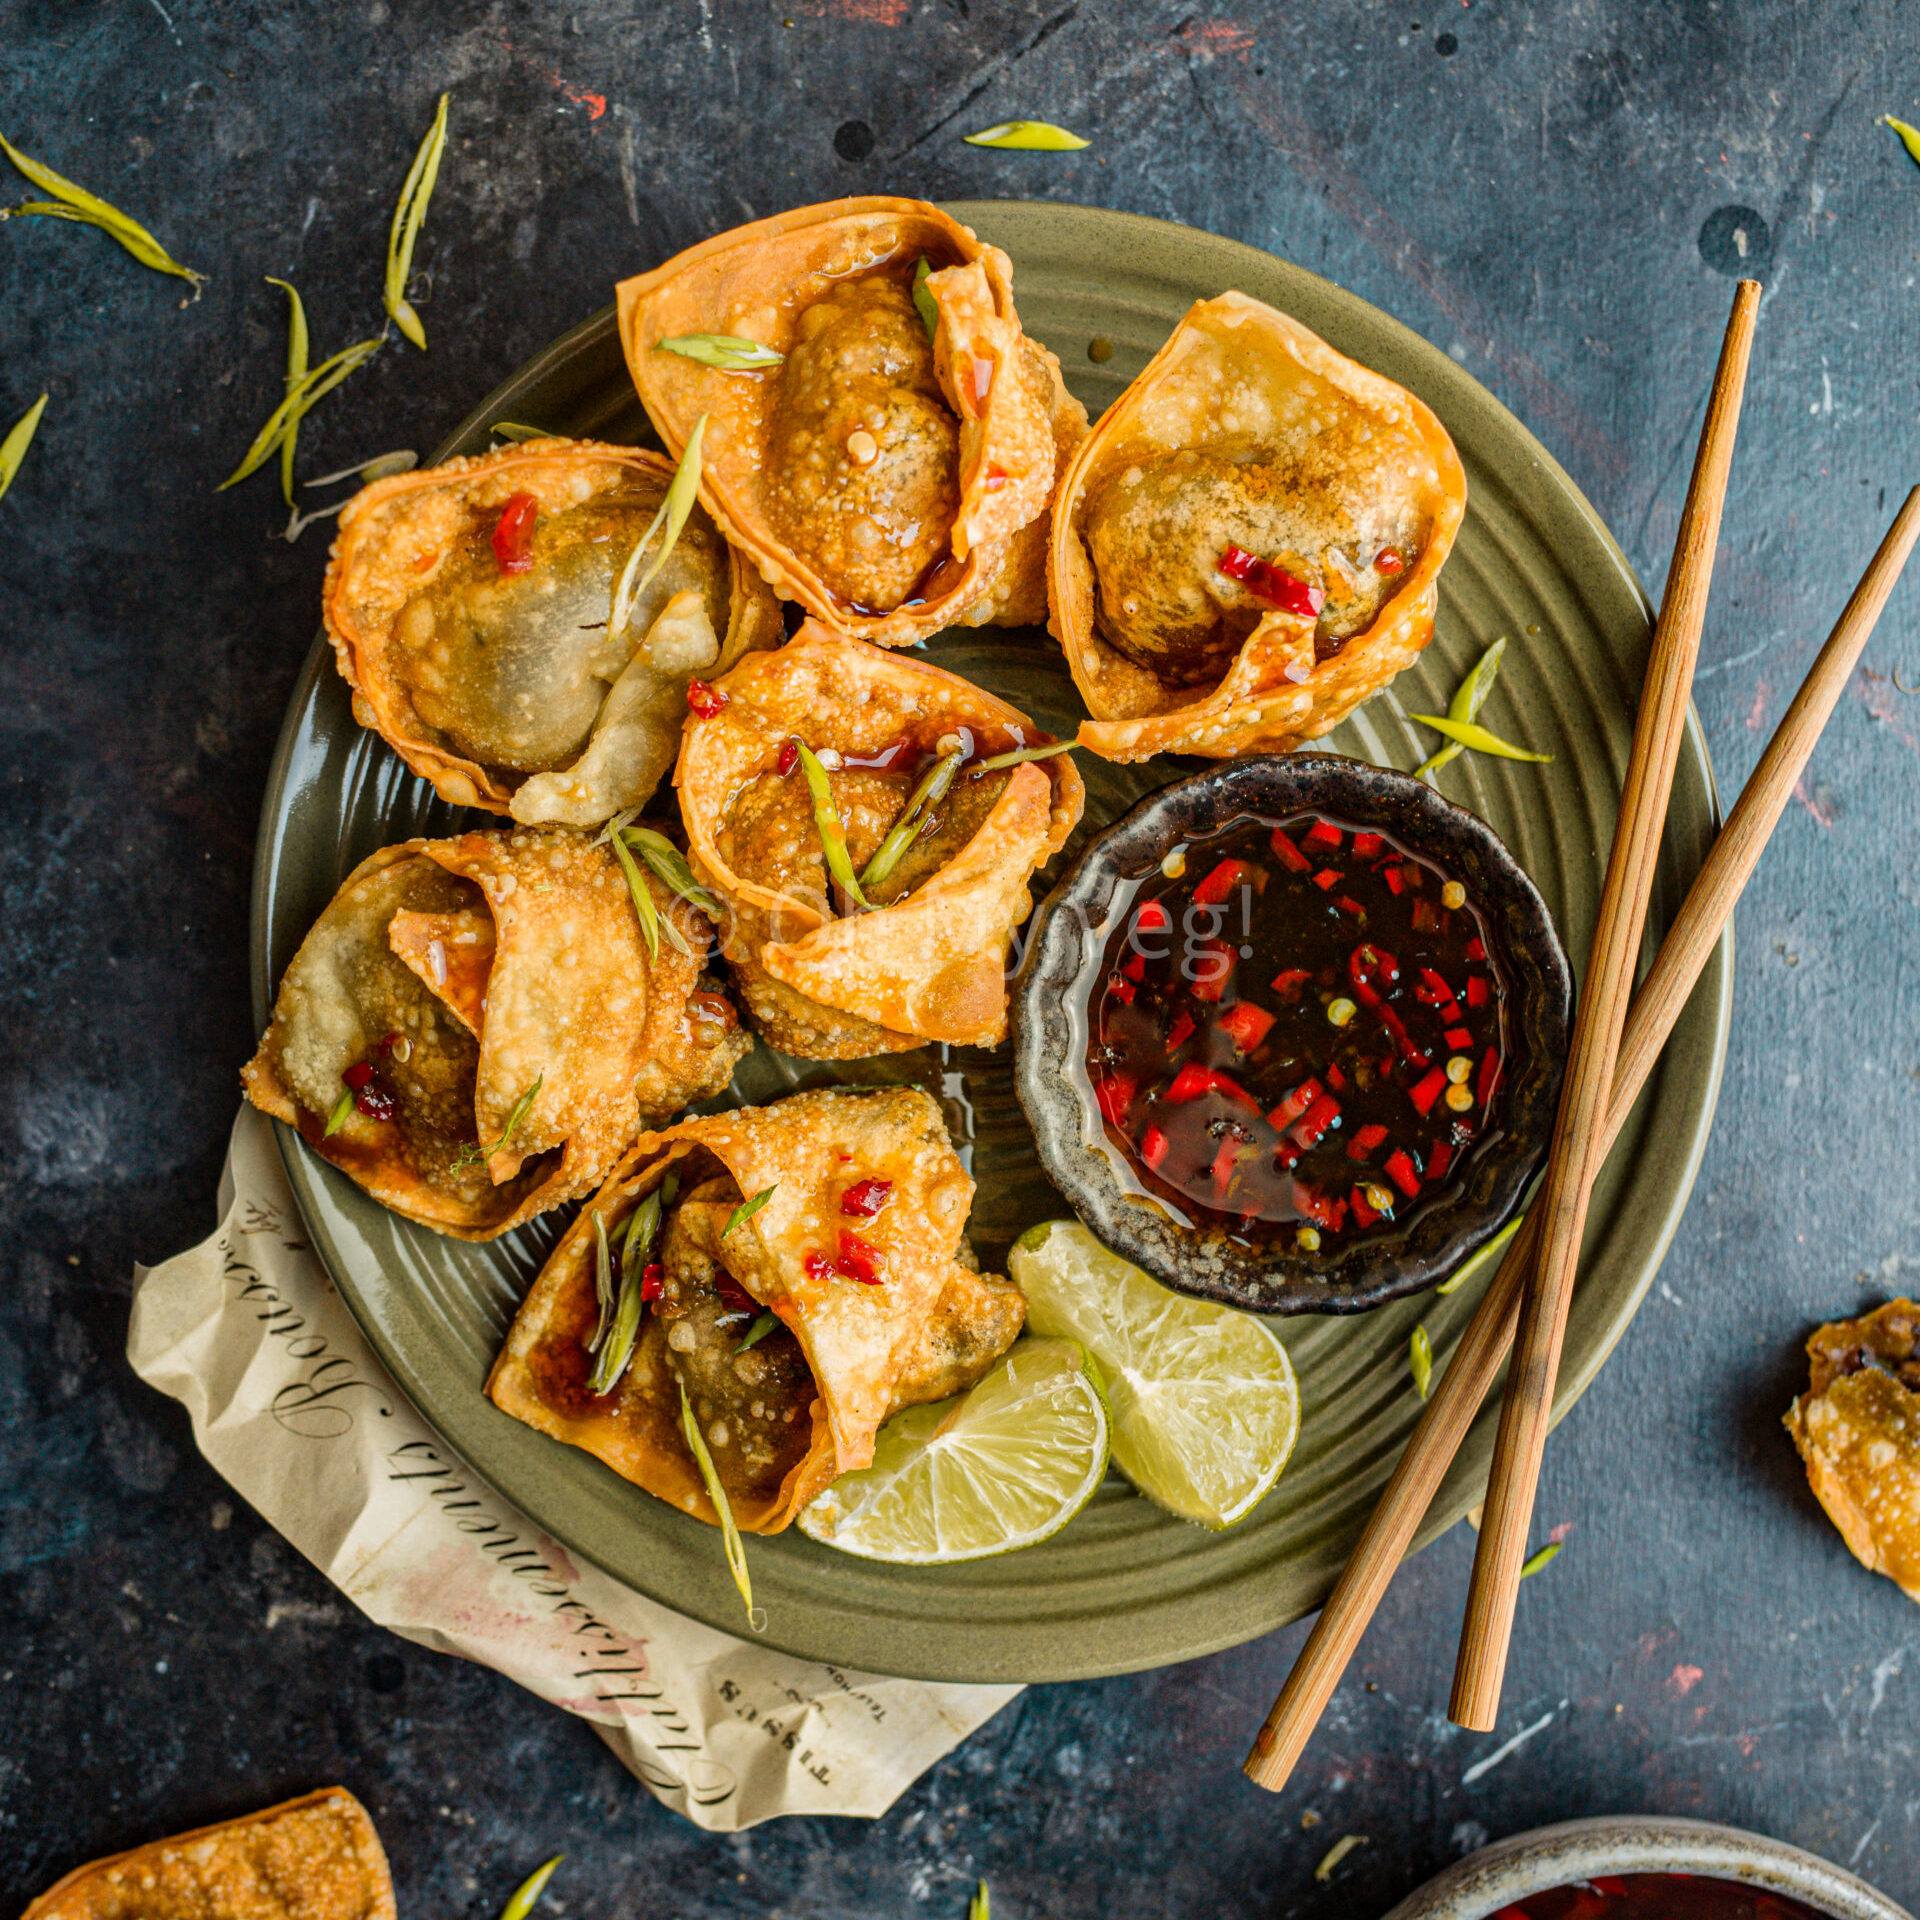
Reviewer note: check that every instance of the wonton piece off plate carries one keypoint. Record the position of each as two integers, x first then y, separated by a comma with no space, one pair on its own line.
1125,1586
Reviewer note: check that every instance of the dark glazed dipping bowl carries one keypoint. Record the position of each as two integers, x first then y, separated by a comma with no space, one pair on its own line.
1062,967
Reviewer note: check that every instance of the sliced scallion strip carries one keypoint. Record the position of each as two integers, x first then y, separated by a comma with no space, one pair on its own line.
72,202
338,1117
13,449
301,401
1487,1254
651,923
409,215
1909,136
670,865
748,1208
1026,136
1420,1359
611,1361
1469,734
932,789
514,430
603,1290
833,836
1023,754
980,1907
530,1890
924,303
1544,1558
297,343
758,1331
383,466
736,1553
681,494
1466,703
727,351
516,1117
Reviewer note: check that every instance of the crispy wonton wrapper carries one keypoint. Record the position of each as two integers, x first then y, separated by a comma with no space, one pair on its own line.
505,689
931,966
881,479
1247,430
315,1858
501,960
1858,1430
785,1418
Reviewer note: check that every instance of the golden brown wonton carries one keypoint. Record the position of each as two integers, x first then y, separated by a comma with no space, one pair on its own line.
1858,1430
315,1858
880,478
1247,432
802,1405
504,688
467,975
930,964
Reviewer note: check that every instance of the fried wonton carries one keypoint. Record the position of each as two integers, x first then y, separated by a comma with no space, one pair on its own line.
858,1252
474,1029
929,963
1858,1430
1246,546
892,472
315,1858
468,607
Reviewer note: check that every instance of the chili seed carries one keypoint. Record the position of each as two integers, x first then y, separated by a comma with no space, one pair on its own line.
1175,863
1453,894
1459,1069
1380,1199
1341,1011
1459,1097
1308,1239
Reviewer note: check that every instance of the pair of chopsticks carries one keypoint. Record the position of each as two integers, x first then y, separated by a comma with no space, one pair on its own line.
1526,1305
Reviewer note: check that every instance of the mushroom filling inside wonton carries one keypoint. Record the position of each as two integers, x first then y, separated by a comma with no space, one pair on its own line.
513,668
1158,526
864,444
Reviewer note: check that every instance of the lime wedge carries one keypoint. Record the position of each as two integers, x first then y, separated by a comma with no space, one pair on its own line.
1002,1466
1205,1406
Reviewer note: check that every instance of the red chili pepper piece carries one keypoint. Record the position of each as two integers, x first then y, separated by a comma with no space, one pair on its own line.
859,1260
1115,1095
387,1043
865,1198
1181,1031
1366,964
818,1266
1307,1131
1476,951
1395,879
996,479
1363,1213
1190,1083
733,1296
706,701
1122,990
1136,968
1432,991
653,1281
1287,853
1214,889
1294,1105
1477,992
1336,1079
1322,1209
1224,1163
1425,918
1429,1090
1489,1076
1247,1024
513,534
1153,1146
359,1074
1288,983
1323,833
1272,586
1439,1160
1152,918
1403,1173
1326,880
1366,845
789,758
1365,1141
1459,1037
1389,560
1348,904
1214,982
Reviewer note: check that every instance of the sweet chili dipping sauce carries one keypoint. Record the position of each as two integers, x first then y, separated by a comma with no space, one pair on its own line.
1298,1030
1656,1896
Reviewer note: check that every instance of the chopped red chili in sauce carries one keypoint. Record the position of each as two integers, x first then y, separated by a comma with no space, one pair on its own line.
372,1097
513,534
1298,1030
789,759
706,701
865,1198
1272,586
1656,1896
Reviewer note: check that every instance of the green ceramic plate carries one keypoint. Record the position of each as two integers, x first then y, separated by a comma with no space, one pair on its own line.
1124,1586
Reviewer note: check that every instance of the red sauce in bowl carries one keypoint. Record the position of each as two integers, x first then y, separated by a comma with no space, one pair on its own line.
1656,1896
1298,1030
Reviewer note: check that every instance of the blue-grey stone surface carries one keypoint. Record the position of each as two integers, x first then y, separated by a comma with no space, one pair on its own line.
1555,193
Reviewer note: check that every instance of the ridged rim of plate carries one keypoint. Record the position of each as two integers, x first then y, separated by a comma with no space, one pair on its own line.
1126,1586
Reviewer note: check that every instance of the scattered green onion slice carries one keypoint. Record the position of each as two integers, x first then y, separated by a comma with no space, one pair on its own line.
530,1890
1022,754
1545,1557
383,466
1474,1262
13,449
338,1117
409,215
736,1553
670,864
674,509
1468,699
726,351
758,1332
1026,136
833,837
611,1361
299,402
1336,1853
516,1115
924,303
297,343
932,789
1420,1359
1909,136
71,202
980,1907
651,923
603,1292
516,430
748,1208
1477,737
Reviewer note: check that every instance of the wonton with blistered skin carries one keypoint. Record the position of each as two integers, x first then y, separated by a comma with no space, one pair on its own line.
821,978
1858,1430
1247,544
902,1318
483,657
482,1019
893,483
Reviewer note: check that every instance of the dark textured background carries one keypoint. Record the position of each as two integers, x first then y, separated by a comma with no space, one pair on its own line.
1542,190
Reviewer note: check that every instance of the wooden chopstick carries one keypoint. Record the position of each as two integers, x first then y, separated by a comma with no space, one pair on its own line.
1470,1374
1574,1160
